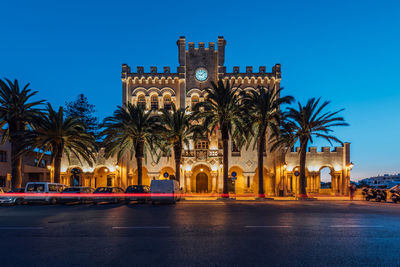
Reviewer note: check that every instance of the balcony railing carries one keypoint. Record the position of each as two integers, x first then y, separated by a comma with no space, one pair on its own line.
203,154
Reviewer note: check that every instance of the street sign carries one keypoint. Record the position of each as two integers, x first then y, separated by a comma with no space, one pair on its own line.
234,178
296,173
234,174
166,174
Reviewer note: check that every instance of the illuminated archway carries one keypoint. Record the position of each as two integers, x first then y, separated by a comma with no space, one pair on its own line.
205,171
102,177
166,170
241,183
145,177
267,183
326,180
76,177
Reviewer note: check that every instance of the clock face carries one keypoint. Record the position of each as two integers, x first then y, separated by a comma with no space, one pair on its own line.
201,74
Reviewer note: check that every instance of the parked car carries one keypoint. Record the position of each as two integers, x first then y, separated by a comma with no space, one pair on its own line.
143,190
15,200
43,187
168,187
4,199
108,190
76,190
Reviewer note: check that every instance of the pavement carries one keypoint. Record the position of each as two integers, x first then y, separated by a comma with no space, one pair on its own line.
202,233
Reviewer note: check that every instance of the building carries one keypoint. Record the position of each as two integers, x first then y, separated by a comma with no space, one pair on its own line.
201,167
388,180
34,168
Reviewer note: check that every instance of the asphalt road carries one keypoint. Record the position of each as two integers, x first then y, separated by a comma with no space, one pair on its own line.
284,233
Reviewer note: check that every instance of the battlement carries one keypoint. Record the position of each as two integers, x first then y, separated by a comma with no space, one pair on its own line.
324,149
192,48
140,73
236,74
200,46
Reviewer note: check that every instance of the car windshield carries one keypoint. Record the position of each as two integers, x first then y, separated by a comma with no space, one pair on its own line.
72,189
103,190
35,188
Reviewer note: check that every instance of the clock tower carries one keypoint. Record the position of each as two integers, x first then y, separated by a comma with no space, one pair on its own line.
199,65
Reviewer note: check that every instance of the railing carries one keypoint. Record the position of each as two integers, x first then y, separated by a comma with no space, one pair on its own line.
203,154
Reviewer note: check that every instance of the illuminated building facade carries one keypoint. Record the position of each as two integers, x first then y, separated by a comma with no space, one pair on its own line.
201,166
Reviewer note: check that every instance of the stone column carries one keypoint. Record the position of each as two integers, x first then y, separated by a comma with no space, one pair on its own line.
188,175
220,182
214,175
341,183
316,183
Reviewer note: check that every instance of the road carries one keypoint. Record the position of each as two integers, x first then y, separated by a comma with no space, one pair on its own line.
271,233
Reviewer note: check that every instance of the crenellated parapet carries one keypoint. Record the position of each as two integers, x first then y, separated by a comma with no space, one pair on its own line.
251,77
337,159
142,77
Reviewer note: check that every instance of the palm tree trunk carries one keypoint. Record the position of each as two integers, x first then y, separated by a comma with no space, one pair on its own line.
260,166
16,169
16,163
178,156
139,162
303,181
225,146
57,167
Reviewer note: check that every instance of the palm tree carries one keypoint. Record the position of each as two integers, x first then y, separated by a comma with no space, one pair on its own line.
263,107
16,111
176,129
221,110
129,130
53,133
310,121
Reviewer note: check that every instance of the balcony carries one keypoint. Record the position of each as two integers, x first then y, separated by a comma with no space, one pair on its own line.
202,154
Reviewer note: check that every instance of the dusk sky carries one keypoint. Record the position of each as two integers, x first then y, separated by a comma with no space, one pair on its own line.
347,52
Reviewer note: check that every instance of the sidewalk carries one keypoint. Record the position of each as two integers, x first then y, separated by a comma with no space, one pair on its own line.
253,198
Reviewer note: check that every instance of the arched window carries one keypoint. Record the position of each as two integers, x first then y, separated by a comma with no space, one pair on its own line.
167,102
141,101
154,102
195,100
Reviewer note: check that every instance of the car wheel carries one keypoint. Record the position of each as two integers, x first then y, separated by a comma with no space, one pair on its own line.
53,201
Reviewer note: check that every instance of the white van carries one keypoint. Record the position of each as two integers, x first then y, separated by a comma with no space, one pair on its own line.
170,187
43,187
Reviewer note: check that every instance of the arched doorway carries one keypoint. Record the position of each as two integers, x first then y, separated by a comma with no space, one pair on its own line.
103,177
201,183
75,178
326,180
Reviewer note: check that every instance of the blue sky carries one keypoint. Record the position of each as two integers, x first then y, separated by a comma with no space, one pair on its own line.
343,51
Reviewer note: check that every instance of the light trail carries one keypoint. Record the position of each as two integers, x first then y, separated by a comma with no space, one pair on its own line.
102,195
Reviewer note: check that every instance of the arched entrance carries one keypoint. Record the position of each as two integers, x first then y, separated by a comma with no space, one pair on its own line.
328,180
201,183
75,178
103,177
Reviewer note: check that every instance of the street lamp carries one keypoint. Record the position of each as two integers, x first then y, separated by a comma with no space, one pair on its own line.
351,165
